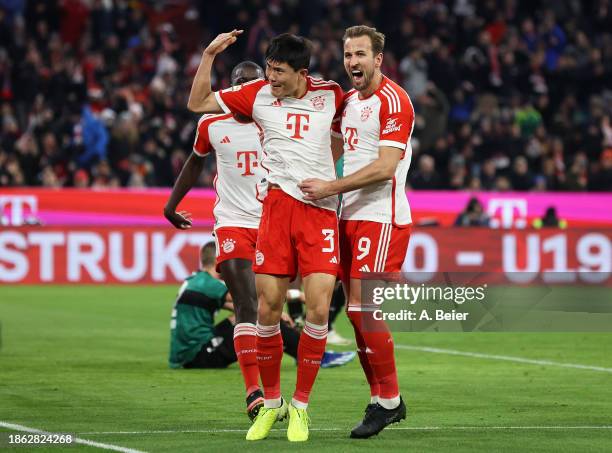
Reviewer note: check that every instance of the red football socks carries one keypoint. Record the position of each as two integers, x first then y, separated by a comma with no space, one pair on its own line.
378,352
245,344
365,364
310,353
269,357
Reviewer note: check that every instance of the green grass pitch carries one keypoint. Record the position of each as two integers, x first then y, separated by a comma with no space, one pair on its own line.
91,360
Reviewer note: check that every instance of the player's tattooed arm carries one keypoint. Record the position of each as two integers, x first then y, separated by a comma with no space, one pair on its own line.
382,169
185,181
202,98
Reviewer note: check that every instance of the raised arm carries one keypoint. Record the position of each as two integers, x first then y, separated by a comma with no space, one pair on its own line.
202,98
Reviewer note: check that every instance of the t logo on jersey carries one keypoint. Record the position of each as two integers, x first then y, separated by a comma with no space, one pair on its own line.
351,138
249,162
297,122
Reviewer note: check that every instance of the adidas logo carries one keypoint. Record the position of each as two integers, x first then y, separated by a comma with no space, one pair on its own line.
364,268
276,103
334,260
225,140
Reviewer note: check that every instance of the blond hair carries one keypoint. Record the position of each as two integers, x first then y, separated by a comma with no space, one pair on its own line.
376,38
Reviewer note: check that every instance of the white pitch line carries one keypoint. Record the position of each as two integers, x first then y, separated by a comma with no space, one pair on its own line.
78,440
399,428
507,358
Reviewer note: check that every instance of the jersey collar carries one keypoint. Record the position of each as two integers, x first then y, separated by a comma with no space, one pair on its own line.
383,82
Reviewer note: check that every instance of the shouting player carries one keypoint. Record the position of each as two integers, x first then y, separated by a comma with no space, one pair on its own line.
377,122
237,144
295,112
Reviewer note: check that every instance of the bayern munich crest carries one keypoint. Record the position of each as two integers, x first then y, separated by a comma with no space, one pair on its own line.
365,113
228,245
318,102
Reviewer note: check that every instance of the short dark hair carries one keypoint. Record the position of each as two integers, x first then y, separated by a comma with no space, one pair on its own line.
208,254
245,72
376,38
291,49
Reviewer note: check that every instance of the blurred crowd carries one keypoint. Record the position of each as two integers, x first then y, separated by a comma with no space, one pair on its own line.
508,94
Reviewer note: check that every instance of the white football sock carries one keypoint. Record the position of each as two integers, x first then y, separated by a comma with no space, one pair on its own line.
273,403
298,404
389,403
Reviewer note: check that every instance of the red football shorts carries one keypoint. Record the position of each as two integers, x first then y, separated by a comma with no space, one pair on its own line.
235,242
296,236
371,247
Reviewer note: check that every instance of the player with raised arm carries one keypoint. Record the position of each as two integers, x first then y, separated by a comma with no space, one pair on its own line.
295,112
377,122
237,143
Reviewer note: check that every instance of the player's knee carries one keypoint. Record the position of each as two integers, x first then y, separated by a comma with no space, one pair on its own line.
270,303
318,314
267,307
354,299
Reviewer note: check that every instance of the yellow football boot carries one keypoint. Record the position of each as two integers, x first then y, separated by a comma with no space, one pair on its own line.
298,424
265,420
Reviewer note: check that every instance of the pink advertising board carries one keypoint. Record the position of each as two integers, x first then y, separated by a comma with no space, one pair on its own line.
123,207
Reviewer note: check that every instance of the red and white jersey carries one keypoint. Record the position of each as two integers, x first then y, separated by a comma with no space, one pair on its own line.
386,118
238,149
297,142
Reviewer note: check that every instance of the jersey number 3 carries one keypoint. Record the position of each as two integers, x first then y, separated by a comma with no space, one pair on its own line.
329,238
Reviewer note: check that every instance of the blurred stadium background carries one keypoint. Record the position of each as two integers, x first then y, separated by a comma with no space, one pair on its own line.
510,95
512,139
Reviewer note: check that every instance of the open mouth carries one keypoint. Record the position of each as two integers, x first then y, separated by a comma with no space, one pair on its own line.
357,76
